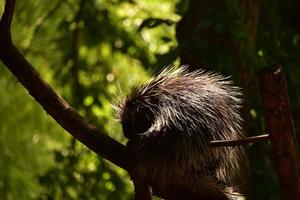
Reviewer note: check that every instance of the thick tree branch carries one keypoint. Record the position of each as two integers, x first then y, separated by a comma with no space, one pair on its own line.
52,103
280,125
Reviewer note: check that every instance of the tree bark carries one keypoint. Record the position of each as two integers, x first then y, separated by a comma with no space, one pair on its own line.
280,125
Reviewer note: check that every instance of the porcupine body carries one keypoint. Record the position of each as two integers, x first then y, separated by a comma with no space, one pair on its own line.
170,122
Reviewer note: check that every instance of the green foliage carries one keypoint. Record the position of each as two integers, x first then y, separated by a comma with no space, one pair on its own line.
78,174
27,137
94,51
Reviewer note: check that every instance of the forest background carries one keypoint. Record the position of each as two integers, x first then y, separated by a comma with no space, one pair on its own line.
94,51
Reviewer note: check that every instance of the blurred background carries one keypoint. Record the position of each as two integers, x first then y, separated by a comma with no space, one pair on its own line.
94,51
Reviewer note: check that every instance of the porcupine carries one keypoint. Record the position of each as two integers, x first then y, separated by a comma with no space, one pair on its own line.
170,122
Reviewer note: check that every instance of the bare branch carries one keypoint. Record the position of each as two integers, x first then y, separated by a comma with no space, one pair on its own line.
52,103
6,20
244,141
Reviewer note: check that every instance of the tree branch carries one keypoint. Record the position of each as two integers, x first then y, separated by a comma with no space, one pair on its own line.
280,125
52,103
6,20
244,141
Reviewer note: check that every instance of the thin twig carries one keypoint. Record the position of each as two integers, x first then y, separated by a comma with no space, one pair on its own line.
244,141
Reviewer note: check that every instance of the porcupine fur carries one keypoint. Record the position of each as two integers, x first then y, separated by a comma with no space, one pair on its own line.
170,122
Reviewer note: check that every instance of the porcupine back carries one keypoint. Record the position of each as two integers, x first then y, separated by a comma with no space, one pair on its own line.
171,120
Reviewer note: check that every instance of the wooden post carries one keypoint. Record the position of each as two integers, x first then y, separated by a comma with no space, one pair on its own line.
280,126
